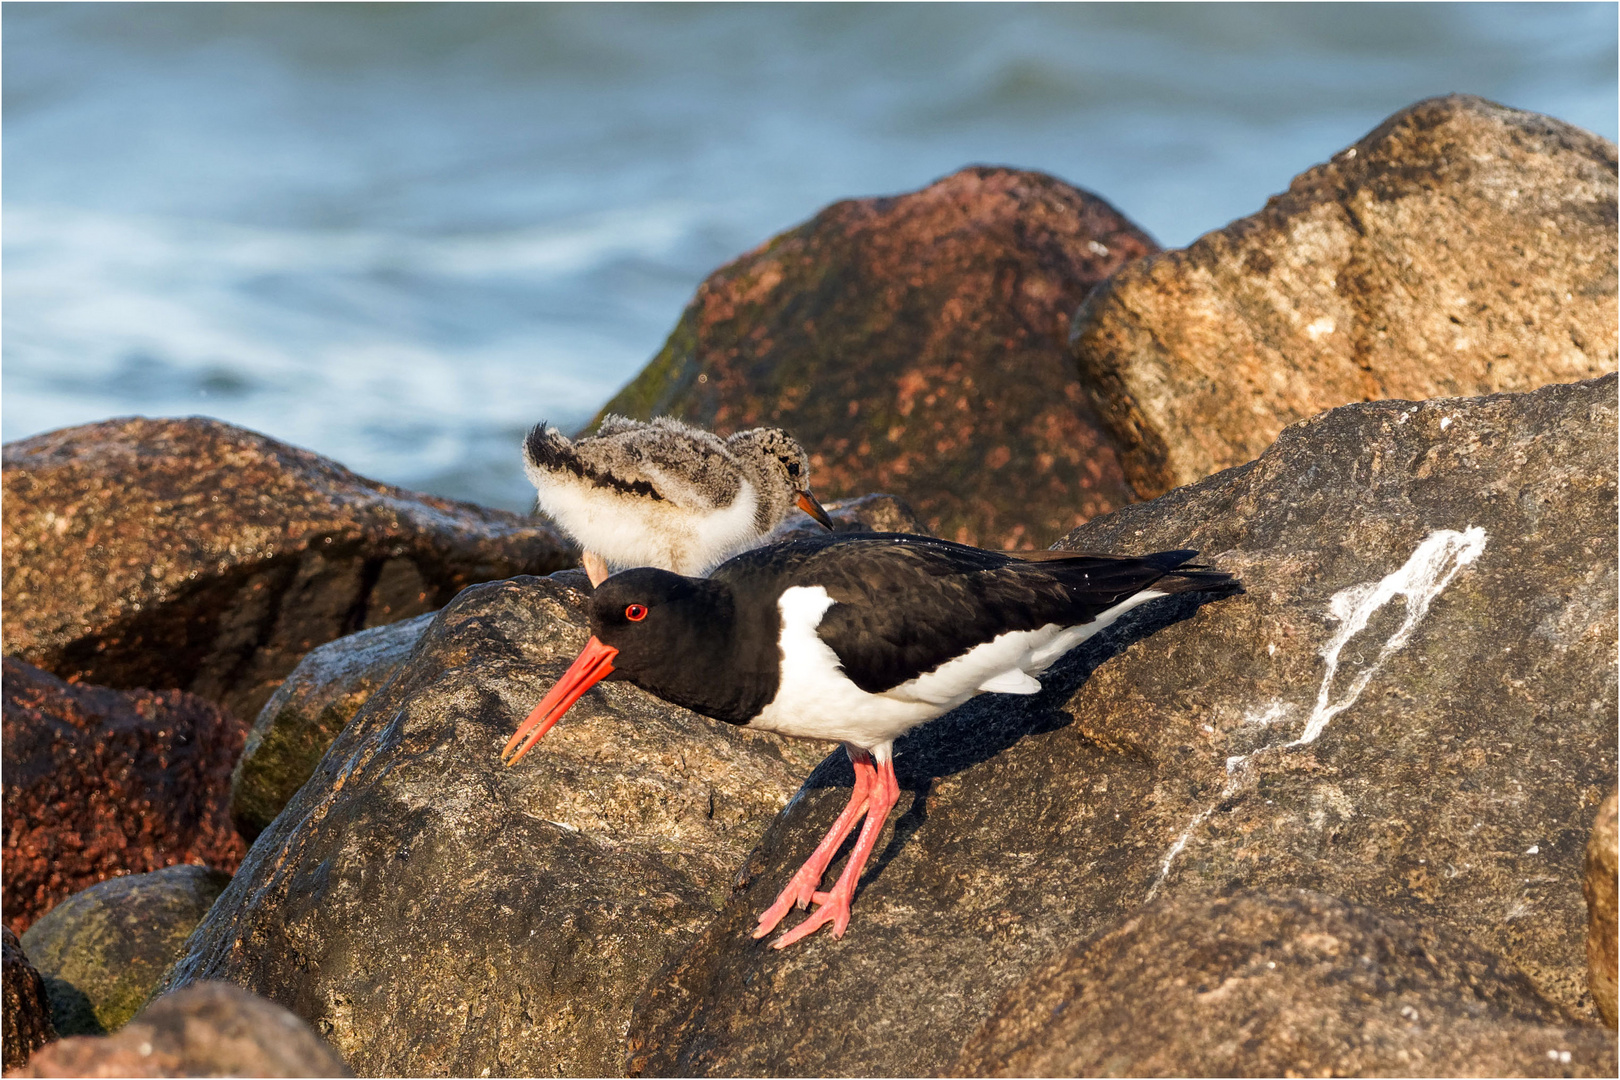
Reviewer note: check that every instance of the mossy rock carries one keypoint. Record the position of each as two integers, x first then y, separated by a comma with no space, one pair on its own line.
101,951
306,713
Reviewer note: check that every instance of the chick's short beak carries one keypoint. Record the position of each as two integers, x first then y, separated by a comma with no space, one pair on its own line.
807,503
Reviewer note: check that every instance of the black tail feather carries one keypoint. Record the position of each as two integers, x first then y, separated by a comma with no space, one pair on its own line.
545,447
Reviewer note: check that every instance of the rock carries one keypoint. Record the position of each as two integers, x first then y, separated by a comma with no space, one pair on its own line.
1438,765
212,1029
193,555
100,783
306,713
914,344
1460,248
1293,985
431,911
869,513
26,1016
103,951
1599,886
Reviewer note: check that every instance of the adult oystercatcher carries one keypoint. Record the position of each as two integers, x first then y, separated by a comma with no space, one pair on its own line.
857,638
666,494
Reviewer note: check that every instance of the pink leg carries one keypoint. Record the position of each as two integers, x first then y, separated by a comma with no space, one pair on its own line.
808,879
834,905
596,567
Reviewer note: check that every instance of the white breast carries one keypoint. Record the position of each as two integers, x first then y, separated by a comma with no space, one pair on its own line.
816,700
630,531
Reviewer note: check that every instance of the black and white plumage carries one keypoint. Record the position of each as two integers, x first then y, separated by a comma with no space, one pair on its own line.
855,638
667,494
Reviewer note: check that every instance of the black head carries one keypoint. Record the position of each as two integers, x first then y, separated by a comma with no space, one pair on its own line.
646,612
677,637
681,638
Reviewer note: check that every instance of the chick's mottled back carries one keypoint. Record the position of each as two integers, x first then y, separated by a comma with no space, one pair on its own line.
667,494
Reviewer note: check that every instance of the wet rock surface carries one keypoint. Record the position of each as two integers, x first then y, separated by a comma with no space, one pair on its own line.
212,1029
431,911
1294,985
1410,707
193,555
914,344
103,951
1460,248
26,1016
307,711
99,783
1602,941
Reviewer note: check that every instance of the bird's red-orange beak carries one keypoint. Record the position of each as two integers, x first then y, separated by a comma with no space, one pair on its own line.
594,664
807,503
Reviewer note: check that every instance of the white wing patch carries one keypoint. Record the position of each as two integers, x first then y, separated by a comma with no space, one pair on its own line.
1011,682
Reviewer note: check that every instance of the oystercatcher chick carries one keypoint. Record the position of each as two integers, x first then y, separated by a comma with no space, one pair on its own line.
666,494
855,638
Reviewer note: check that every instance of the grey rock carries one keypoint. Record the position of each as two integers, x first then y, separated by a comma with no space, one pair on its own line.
1459,248
430,911
306,713
1294,985
211,1029
1600,885
103,950
194,555
1442,769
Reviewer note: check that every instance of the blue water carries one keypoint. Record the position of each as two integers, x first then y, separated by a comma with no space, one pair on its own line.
398,235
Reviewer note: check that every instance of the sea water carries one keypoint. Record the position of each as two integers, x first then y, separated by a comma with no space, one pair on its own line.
400,234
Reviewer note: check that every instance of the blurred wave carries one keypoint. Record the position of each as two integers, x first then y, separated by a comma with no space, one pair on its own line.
399,234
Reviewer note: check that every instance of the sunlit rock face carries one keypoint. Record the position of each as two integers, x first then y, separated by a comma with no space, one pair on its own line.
1461,247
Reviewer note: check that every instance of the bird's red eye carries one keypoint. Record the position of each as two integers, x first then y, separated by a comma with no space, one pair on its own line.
635,613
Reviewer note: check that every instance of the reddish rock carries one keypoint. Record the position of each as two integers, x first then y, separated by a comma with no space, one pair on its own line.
27,1012
100,782
211,1029
193,555
915,344
1460,248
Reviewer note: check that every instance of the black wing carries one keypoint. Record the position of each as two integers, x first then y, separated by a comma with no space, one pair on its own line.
907,604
